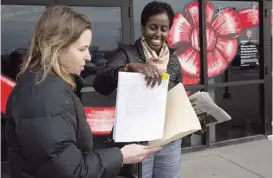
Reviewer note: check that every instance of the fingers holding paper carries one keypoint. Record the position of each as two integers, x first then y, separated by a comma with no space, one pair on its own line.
135,153
152,74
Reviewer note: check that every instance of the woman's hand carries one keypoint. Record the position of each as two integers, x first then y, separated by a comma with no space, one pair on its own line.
152,75
135,153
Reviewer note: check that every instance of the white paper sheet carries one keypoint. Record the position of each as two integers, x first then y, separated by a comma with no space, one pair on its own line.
140,110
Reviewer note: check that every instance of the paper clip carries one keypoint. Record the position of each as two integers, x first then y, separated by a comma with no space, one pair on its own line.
164,79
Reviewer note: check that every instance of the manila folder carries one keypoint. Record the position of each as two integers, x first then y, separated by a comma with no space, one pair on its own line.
181,119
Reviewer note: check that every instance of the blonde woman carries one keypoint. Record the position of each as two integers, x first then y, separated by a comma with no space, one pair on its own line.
47,131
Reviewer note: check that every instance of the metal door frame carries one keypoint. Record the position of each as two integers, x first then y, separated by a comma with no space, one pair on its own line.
267,51
46,3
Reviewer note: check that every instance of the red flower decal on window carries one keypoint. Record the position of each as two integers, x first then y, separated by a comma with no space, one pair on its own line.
222,31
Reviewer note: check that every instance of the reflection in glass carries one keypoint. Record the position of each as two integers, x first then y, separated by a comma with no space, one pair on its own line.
244,108
18,22
236,27
17,25
107,36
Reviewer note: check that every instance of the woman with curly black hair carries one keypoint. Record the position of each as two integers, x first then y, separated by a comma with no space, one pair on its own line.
151,56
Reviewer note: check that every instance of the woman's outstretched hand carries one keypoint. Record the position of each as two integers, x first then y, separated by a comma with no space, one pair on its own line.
135,153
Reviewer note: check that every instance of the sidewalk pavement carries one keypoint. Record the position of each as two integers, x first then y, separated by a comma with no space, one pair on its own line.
246,160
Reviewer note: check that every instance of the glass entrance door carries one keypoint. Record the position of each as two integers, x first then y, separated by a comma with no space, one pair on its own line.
241,88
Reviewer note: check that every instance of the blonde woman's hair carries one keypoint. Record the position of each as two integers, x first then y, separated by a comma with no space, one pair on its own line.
57,28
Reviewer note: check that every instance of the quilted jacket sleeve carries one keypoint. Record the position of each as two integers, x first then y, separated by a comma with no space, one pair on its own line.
50,142
46,130
178,69
106,81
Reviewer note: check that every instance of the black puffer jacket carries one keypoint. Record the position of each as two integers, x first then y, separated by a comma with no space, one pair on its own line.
49,136
106,81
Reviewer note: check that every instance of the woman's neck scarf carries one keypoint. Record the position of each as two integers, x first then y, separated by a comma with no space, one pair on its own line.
160,60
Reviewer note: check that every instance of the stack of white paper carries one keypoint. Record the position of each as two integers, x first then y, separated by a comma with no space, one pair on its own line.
152,114
140,110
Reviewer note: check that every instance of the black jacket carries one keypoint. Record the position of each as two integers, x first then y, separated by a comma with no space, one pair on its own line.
49,136
106,81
